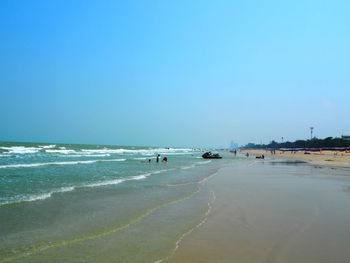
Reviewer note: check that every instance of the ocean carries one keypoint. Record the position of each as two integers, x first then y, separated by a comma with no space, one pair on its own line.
98,203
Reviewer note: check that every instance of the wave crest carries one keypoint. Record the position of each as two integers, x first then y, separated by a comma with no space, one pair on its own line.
26,165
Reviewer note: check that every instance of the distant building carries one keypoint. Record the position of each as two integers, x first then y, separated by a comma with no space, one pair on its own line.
233,145
345,137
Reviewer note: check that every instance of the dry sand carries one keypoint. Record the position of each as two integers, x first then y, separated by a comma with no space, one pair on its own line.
324,158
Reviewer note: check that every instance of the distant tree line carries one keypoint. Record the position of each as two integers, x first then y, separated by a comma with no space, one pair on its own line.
328,142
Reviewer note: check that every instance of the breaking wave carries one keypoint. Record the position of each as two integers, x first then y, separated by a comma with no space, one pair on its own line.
58,163
43,196
37,197
21,149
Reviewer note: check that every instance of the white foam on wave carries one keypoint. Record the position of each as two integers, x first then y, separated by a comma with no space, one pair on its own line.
49,194
204,162
92,152
21,149
120,180
117,181
66,189
194,165
85,155
188,167
104,183
24,165
37,197
48,146
42,196
61,151
147,152
140,177
176,153
161,171
72,153
113,160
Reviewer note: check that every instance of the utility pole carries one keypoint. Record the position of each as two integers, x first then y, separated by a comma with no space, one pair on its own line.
311,129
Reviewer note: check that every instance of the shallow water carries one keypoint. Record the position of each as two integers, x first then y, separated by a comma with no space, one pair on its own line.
83,203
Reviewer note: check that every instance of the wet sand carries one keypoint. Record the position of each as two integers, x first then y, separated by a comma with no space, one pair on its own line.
273,212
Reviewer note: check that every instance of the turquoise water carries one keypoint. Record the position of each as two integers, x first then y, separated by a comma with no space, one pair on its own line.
89,203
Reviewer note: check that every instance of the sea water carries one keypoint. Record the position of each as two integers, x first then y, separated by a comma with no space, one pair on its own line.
96,203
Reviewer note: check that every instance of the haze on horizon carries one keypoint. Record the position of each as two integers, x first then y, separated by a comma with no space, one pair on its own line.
180,73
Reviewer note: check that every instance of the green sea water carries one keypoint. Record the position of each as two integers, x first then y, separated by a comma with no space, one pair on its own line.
92,203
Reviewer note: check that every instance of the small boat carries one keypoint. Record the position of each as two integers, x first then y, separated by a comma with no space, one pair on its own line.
209,155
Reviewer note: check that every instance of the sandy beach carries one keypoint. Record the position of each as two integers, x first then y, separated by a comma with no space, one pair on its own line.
123,125
273,212
323,158
234,209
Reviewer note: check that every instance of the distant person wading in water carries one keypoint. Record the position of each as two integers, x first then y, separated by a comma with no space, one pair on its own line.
158,155
165,159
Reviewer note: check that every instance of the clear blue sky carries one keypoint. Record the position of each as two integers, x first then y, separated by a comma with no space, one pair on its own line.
173,73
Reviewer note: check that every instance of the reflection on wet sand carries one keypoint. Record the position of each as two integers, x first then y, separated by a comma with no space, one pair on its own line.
264,213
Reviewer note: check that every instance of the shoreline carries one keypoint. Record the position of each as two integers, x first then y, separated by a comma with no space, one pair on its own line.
223,211
323,158
254,197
